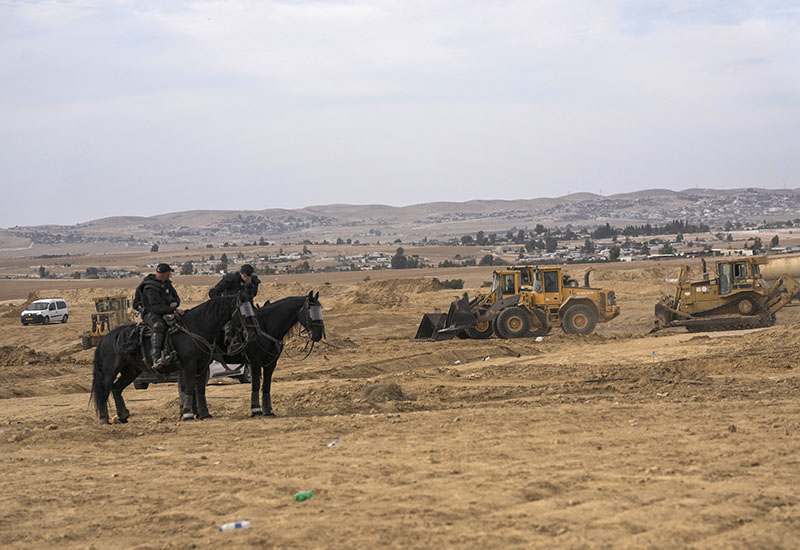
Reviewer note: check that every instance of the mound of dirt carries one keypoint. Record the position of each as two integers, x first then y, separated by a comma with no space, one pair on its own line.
23,355
12,309
383,393
656,274
389,294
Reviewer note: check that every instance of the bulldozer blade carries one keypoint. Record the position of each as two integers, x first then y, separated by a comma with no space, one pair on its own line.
430,327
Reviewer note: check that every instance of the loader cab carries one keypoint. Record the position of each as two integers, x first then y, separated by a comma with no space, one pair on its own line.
506,283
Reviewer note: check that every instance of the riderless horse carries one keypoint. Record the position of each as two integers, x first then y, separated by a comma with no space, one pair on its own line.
264,343
121,353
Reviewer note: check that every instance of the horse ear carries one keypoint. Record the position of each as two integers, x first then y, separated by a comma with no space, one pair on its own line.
316,297
310,294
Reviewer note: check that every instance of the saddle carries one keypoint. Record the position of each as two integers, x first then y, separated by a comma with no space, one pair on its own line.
132,339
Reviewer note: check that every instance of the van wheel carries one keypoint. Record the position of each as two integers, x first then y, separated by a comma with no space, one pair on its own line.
64,318
24,323
513,322
46,320
579,319
480,331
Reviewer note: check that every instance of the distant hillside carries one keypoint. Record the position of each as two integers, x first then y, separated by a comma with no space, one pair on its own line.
435,220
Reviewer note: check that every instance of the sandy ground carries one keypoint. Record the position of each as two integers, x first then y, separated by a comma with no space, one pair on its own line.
616,440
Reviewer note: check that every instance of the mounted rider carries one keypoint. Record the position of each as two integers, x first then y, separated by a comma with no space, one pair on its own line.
158,298
232,284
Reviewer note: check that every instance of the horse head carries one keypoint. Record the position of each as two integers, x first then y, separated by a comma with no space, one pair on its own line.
310,316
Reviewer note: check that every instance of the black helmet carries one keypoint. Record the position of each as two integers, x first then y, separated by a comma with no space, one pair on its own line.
163,268
247,269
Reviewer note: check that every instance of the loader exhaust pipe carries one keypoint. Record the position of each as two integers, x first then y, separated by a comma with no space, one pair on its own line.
586,278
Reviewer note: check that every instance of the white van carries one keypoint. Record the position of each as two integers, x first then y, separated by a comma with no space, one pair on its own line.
45,311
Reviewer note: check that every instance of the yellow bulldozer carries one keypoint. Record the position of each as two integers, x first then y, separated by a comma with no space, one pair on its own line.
112,311
523,301
734,296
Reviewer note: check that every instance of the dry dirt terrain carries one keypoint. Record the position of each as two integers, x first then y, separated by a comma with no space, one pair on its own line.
616,440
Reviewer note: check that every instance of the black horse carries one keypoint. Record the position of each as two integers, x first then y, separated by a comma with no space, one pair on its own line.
265,343
193,343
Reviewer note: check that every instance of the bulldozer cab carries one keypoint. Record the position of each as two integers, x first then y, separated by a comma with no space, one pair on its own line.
738,274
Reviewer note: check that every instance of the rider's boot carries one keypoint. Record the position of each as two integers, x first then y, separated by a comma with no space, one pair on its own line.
160,359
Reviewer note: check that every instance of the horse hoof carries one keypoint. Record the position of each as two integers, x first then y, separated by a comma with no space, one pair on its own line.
270,413
104,421
256,414
188,417
123,420
203,417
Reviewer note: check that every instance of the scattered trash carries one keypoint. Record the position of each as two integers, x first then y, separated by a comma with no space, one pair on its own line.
235,525
539,338
303,495
325,357
334,443
2,431
655,354
458,362
159,448
486,358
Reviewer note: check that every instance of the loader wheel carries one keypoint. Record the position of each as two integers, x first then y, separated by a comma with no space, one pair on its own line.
513,322
746,306
579,319
462,335
480,331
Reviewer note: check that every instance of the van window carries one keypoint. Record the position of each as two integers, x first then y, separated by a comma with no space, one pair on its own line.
52,307
37,306
62,305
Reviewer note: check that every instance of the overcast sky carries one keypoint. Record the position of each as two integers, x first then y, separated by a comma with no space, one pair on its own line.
145,107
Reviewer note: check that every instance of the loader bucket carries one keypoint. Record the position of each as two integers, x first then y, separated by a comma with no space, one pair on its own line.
430,326
459,317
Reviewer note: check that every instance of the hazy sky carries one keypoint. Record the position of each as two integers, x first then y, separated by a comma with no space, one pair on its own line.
144,107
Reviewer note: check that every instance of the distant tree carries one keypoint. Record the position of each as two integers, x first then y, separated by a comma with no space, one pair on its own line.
774,242
588,246
188,268
154,248
303,267
666,248
487,260
453,283
614,252
399,260
43,274
679,238
223,261
551,244
211,258
339,240
306,251
480,238
757,245
467,240
570,235
539,229
729,238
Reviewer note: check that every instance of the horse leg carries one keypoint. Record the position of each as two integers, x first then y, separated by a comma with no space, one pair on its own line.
201,409
255,399
127,375
186,382
265,389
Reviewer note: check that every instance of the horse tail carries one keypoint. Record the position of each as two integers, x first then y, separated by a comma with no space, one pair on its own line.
97,378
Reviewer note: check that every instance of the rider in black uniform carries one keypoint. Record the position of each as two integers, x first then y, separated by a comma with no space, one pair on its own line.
159,298
232,284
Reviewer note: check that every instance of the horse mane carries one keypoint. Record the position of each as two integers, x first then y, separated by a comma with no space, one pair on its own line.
213,307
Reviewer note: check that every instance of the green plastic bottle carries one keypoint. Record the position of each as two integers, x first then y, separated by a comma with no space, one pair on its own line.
303,495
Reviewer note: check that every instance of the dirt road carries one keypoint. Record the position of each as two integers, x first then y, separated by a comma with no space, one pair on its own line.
617,440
